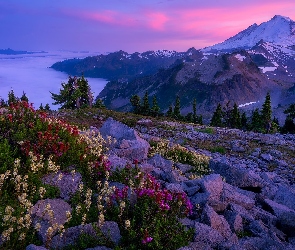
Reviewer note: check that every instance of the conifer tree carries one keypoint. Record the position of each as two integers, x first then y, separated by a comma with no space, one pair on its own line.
256,122
217,117
176,112
47,107
266,111
145,105
11,97
290,111
155,108
235,117
170,111
244,121
24,97
195,118
135,102
73,94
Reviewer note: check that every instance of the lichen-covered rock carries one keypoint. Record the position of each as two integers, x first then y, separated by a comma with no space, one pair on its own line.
71,235
67,183
50,213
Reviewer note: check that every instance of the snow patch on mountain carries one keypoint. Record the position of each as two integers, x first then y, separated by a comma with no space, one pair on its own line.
240,57
266,69
246,104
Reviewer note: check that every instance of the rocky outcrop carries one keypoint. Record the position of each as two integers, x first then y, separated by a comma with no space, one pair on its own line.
239,205
128,143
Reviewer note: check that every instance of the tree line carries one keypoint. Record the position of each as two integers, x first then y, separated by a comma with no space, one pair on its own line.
143,107
228,116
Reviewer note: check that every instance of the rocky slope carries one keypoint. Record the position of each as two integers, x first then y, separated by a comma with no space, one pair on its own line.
246,202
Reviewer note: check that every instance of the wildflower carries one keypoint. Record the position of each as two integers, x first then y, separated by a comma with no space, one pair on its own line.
127,224
146,240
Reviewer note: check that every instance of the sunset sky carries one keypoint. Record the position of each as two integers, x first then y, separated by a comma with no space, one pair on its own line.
130,25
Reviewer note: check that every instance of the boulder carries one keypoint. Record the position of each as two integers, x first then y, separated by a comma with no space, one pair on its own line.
67,183
128,143
71,235
236,174
207,236
217,222
34,247
285,215
232,195
286,196
49,212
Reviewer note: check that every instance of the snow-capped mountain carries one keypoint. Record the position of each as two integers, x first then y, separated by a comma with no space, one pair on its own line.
279,30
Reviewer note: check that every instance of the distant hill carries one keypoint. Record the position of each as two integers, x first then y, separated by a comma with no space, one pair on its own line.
17,52
119,65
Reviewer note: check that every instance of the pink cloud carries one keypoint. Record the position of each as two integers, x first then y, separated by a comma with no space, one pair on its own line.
110,17
156,20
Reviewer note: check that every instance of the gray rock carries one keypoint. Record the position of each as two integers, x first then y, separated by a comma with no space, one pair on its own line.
245,214
67,183
234,220
286,196
110,230
232,195
160,162
236,174
217,222
117,162
128,143
261,243
40,215
213,185
117,130
285,215
266,157
205,235
34,247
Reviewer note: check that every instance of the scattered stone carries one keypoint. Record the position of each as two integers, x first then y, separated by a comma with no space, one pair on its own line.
34,247
67,183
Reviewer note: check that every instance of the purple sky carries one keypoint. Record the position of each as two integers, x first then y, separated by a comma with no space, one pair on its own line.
130,25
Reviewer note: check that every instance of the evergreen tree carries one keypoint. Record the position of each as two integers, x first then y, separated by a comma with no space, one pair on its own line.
145,104
73,94
135,102
289,126
244,121
266,111
176,112
256,122
290,111
41,107
24,97
200,119
227,115
217,117
47,107
235,117
155,110
195,111
2,103
98,103
170,111
11,97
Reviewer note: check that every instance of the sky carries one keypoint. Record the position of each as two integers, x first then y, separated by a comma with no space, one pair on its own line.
129,25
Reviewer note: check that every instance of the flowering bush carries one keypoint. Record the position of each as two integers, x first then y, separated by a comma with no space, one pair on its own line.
32,145
177,153
148,215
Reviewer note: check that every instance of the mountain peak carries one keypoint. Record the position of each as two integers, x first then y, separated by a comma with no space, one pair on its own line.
282,17
278,30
